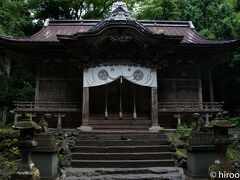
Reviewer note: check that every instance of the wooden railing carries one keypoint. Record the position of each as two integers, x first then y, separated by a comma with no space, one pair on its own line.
190,106
77,107
48,107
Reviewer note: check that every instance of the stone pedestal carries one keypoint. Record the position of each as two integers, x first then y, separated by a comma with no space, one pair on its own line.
201,154
199,158
45,156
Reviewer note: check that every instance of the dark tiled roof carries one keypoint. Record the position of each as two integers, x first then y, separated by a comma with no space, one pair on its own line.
70,27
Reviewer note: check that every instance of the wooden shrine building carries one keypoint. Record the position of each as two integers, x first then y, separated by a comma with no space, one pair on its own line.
119,72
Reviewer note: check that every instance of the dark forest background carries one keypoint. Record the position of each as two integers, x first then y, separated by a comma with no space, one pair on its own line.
214,19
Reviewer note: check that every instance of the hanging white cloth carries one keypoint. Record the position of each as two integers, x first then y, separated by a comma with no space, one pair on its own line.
105,74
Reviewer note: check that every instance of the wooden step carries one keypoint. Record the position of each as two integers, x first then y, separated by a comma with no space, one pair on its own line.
116,117
120,122
122,163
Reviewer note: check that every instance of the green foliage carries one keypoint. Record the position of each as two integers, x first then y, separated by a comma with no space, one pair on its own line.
181,136
213,19
158,9
9,153
15,151
7,167
4,127
14,17
181,153
236,121
233,152
19,86
65,9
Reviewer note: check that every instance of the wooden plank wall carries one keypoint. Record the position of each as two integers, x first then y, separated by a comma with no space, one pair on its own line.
179,83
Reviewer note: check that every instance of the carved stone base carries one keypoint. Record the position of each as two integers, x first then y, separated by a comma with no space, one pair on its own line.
155,128
85,128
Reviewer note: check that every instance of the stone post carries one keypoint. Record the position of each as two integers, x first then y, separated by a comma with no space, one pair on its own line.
179,120
59,121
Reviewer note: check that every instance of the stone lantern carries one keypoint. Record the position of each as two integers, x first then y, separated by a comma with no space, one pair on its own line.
220,127
26,168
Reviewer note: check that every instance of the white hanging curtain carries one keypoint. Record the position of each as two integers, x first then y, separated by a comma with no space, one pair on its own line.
98,76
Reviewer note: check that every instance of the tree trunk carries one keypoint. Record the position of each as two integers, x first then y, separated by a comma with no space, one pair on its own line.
4,115
5,108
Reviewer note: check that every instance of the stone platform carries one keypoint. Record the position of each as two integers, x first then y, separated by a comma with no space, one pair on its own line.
153,173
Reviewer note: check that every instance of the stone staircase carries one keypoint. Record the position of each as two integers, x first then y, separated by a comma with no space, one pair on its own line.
122,150
122,155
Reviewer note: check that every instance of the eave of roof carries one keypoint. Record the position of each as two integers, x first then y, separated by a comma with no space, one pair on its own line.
119,16
49,34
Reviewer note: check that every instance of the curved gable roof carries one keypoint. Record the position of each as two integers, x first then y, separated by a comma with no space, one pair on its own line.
69,27
118,17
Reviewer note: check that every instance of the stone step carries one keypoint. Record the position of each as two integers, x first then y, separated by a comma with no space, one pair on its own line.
122,163
156,173
122,156
123,149
120,136
121,142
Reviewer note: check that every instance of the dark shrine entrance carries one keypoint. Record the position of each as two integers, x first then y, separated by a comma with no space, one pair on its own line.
121,103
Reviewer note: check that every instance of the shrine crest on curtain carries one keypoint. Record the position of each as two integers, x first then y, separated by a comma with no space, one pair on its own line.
101,75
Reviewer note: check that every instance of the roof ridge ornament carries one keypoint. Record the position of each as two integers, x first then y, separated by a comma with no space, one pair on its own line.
116,4
119,15
119,11
46,22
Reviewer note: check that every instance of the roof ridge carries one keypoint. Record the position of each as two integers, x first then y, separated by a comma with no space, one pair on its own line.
162,22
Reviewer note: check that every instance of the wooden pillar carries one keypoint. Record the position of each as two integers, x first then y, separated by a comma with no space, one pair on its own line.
85,111
154,111
106,104
200,98
210,86
37,90
134,103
